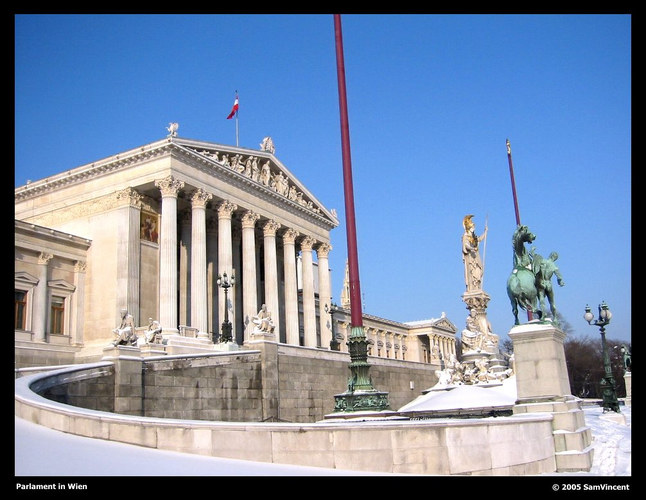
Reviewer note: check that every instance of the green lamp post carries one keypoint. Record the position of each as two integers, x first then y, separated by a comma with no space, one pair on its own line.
225,283
609,395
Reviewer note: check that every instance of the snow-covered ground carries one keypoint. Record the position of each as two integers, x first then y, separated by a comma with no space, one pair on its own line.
40,451
611,441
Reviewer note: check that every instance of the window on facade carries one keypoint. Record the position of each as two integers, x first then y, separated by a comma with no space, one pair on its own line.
58,315
20,310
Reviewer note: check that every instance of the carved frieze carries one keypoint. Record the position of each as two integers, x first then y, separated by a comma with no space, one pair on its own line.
265,175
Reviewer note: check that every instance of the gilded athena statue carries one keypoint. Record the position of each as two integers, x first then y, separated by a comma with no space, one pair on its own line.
473,267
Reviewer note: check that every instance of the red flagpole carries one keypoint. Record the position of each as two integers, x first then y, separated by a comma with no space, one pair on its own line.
513,191
513,183
356,314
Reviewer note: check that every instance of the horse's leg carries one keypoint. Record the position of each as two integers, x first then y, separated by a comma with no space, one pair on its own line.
514,309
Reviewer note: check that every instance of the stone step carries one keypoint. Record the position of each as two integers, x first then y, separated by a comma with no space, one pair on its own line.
574,461
570,420
578,440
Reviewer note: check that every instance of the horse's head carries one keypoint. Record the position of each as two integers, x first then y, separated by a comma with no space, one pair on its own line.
524,235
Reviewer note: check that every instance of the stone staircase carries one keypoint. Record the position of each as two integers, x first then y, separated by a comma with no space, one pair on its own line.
572,438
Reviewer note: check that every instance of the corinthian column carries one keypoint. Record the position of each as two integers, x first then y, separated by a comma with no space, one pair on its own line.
169,188
309,306
325,293
198,262
225,258
271,272
291,287
249,295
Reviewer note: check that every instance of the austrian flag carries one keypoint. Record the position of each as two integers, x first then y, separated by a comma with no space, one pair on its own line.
234,110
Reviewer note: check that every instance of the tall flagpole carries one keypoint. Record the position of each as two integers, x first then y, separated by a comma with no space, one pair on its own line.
513,183
234,112
351,232
513,191
361,395
237,131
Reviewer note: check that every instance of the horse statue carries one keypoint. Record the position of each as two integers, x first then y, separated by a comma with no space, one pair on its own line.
521,285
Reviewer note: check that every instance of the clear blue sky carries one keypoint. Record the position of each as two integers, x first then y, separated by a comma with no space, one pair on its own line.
431,98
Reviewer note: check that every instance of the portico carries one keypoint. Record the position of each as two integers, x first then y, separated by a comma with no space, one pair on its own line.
181,213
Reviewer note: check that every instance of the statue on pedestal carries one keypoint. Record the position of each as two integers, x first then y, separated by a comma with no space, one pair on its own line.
263,321
478,335
473,266
530,281
125,332
153,335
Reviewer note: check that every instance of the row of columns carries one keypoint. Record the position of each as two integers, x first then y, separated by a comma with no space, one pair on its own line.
442,347
168,314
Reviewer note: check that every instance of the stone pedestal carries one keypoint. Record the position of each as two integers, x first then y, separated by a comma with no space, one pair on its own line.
470,357
128,385
543,386
263,335
541,370
226,346
148,350
114,351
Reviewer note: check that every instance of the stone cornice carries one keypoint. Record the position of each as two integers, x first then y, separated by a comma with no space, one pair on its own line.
92,170
51,234
201,155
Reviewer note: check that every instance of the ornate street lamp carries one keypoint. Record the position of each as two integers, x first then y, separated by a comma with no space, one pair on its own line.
334,343
225,283
608,381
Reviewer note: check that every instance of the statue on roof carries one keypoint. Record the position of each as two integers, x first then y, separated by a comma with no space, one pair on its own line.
172,129
267,144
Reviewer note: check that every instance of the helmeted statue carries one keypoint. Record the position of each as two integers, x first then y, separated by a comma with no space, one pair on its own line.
473,266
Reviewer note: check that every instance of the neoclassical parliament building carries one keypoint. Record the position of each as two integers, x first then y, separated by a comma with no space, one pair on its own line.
152,229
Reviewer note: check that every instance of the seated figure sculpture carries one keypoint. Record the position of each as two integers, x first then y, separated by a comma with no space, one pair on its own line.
125,332
153,335
263,321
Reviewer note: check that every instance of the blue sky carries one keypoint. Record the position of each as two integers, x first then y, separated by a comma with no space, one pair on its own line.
431,101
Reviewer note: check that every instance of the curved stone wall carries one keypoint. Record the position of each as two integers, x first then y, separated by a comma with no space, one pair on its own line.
517,445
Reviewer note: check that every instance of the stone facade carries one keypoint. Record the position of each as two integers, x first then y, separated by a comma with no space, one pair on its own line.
152,228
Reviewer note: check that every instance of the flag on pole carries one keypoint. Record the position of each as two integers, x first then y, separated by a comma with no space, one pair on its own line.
234,110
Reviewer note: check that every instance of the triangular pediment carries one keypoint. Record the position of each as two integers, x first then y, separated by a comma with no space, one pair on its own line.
26,278
445,324
262,170
61,285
